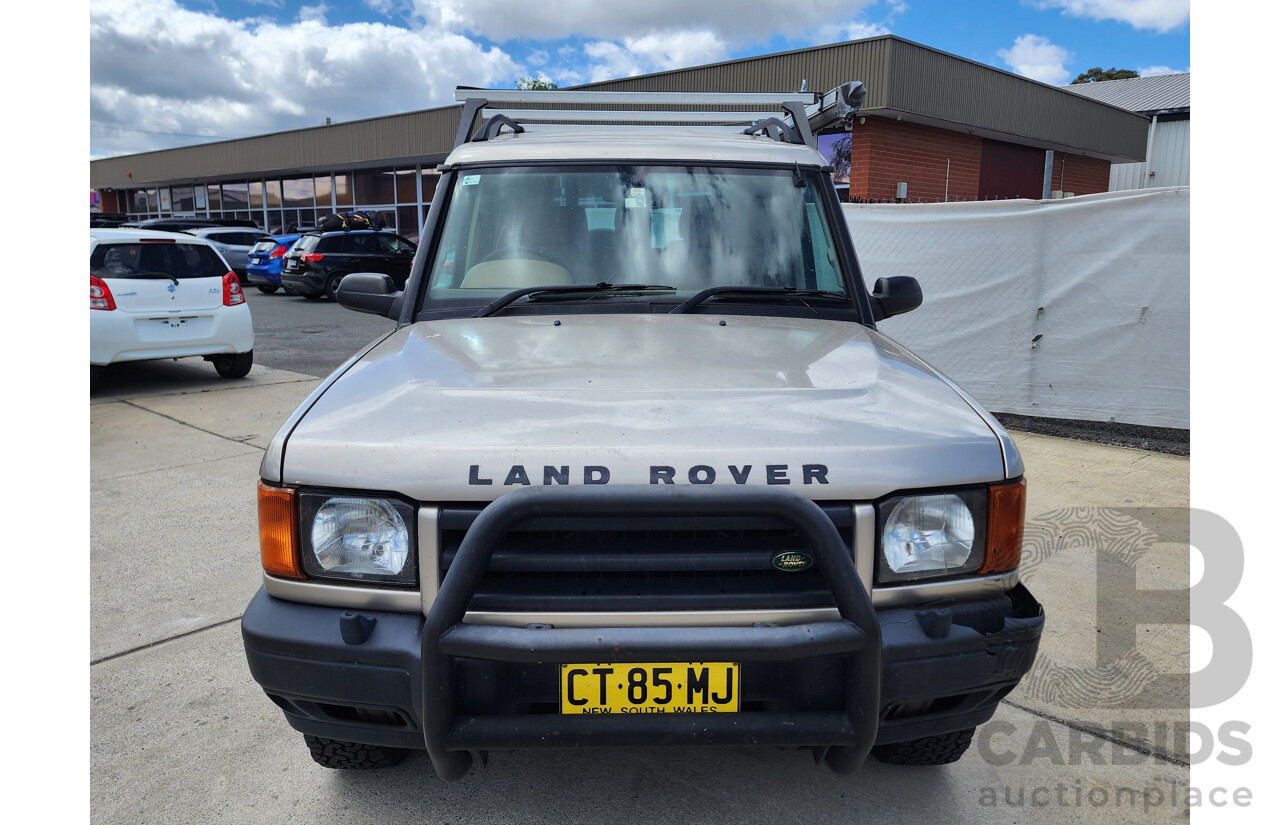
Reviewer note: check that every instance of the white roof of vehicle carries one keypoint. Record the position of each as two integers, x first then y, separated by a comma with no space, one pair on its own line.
130,234
701,144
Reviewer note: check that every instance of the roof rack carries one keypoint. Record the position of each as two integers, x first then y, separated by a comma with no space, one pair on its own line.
792,117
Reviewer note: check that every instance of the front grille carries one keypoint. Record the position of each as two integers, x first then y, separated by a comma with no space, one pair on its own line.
681,563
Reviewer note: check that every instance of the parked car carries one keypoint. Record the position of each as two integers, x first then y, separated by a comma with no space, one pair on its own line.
316,264
176,224
107,219
265,260
165,295
234,243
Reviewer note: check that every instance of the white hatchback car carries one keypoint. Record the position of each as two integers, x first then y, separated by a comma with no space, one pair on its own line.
159,295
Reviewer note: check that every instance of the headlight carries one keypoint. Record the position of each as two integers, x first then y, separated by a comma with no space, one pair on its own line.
357,539
931,536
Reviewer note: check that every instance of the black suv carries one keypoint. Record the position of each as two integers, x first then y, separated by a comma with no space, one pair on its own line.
315,265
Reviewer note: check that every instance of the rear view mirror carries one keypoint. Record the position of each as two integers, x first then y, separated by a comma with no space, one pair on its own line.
370,292
895,295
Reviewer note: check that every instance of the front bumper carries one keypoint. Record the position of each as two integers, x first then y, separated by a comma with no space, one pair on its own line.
871,677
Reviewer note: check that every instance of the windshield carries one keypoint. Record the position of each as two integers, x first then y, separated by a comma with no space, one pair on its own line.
691,228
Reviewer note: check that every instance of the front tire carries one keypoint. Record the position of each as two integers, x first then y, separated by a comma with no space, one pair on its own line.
233,366
267,289
942,749
346,756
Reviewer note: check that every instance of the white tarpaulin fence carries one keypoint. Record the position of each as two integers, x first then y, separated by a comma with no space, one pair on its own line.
1075,309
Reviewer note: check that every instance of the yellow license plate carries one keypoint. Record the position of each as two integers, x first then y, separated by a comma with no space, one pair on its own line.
650,687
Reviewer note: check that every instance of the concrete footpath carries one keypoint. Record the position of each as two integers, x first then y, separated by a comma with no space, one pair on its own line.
181,733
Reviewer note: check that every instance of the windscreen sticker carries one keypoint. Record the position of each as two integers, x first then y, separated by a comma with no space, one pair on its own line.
470,180
636,200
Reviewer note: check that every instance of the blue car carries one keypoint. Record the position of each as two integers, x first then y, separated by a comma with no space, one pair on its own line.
265,259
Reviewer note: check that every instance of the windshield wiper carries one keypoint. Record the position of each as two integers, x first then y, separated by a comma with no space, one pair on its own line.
780,291
154,276
512,297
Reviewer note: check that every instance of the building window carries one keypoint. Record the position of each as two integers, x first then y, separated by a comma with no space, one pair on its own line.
274,198
184,199
300,193
375,187
406,186
407,222
342,190
324,193
235,196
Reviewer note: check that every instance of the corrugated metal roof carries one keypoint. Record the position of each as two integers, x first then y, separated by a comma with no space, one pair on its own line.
1145,95
904,80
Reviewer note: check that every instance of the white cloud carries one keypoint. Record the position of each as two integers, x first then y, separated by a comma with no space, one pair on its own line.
735,21
851,30
1035,57
653,53
313,14
1150,71
159,68
1157,15
610,60
162,73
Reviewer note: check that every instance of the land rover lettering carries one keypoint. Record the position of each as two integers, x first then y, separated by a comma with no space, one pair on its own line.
517,475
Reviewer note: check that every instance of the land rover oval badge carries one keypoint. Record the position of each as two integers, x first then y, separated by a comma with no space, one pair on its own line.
792,561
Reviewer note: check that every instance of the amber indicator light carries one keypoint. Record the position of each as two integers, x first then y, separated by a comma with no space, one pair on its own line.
277,531
1006,514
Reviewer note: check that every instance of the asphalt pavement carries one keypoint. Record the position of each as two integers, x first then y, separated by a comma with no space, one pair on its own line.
181,733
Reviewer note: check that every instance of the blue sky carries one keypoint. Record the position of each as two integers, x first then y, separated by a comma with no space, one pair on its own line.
176,72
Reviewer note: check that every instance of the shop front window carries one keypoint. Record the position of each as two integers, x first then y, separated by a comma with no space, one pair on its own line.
375,187
342,190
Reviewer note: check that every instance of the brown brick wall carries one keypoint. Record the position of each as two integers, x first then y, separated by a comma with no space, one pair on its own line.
1081,175
888,151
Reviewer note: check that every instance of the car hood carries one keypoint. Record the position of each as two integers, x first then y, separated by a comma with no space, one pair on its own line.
467,409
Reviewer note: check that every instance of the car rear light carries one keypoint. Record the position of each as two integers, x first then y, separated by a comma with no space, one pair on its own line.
1006,514
100,294
279,251
232,294
311,257
277,531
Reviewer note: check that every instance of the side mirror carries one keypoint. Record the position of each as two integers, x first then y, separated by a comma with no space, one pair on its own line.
370,292
895,295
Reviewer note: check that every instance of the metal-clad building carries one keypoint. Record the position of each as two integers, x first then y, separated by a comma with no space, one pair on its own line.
1166,101
940,125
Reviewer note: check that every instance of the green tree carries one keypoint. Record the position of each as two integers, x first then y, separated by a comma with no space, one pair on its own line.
1096,75
526,83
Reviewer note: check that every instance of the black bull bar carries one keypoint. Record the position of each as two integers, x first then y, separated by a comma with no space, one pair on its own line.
856,634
